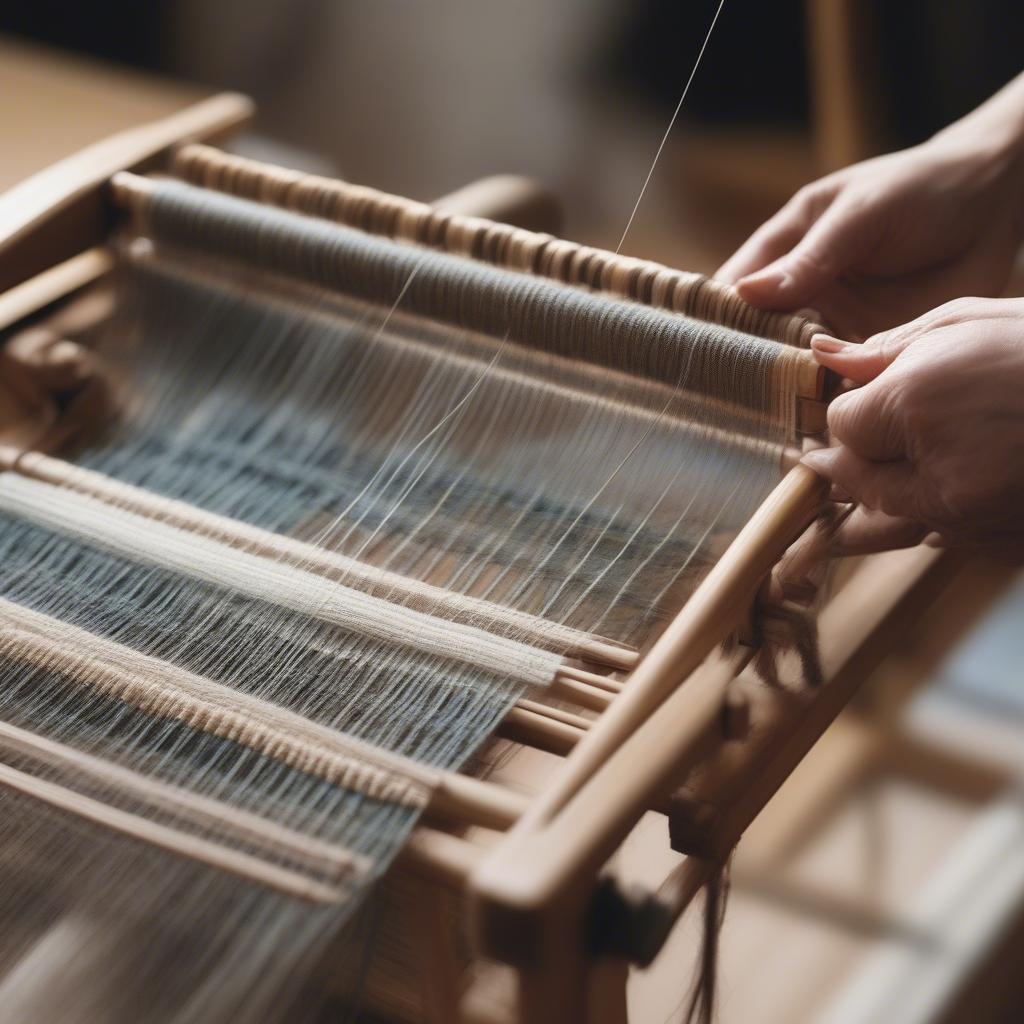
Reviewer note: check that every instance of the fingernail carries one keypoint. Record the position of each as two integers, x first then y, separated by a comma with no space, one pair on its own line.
819,460
817,457
829,345
769,279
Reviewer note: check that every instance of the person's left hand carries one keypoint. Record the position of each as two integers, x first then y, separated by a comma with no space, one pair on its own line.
932,441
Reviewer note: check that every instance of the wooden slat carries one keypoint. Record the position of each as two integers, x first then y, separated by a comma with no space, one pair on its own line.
61,211
724,794
57,282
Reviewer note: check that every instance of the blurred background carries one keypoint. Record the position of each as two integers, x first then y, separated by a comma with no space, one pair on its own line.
885,883
420,98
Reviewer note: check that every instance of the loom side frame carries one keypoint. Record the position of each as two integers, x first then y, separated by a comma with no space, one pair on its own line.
62,211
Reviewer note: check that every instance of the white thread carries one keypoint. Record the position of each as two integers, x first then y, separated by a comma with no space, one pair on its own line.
139,538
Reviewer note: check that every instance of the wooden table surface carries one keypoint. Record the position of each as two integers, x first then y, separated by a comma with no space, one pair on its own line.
53,103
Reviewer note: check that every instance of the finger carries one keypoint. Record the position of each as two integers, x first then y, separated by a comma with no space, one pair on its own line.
767,243
780,233
831,246
861,363
868,421
869,530
892,487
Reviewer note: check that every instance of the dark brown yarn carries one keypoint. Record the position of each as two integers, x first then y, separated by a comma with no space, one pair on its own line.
788,627
701,1007
785,618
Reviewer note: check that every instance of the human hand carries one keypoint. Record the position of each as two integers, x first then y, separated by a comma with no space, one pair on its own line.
932,442
879,243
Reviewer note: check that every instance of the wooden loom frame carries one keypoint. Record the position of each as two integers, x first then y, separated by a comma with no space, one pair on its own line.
726,738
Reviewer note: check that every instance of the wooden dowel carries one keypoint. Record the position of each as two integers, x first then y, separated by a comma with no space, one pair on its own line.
608,683
57,282
463,800
556,714
182,844
439,857
253,829
583,694
538,731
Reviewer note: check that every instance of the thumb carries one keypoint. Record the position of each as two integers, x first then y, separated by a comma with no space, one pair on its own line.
831,246
892,487
861,363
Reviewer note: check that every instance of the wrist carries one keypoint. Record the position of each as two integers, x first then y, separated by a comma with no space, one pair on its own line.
988,147
992,136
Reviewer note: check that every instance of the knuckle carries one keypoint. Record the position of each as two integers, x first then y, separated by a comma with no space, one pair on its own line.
914,397
810,200
891,344
951,312
805,197
958,305
956,502
856,202
815,259
842,414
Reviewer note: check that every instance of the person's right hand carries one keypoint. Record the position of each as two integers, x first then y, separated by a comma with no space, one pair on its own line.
931,442
881,242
